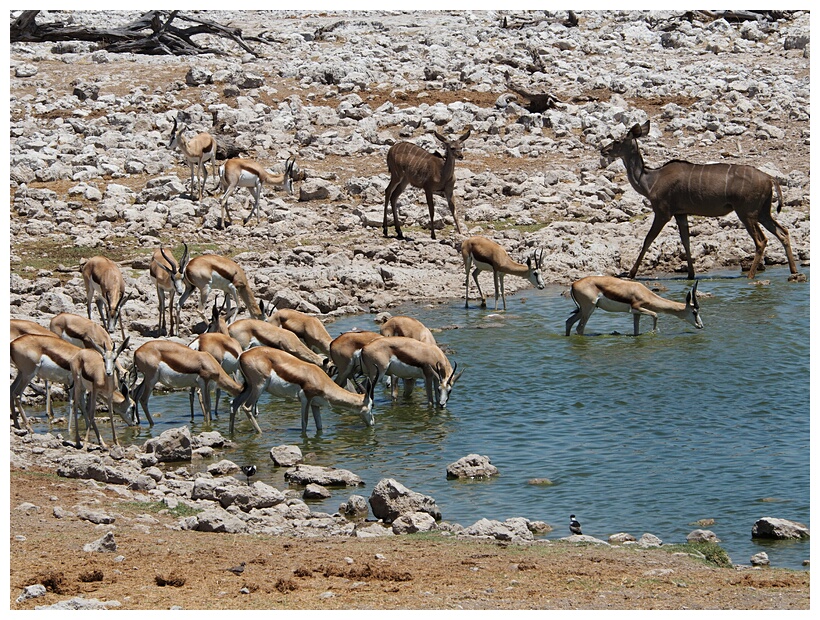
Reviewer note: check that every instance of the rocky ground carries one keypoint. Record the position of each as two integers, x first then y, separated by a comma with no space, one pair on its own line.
91,174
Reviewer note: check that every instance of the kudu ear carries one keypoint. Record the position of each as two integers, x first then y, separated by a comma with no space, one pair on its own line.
466,134
440,137
638,131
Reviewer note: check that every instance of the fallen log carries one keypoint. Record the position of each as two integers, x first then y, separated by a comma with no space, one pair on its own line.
152,33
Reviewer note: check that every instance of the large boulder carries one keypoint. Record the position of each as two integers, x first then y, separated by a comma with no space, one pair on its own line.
781,529
391,499
172,445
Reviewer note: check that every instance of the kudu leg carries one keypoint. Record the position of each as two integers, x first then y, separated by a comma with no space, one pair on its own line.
779,231
756,233
683,228
657,225
432,209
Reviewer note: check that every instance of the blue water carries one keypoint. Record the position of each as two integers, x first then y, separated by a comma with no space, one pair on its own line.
646,434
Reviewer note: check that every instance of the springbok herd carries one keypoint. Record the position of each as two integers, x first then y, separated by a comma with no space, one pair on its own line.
290,354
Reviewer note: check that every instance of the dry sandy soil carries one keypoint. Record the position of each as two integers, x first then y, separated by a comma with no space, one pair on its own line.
155,567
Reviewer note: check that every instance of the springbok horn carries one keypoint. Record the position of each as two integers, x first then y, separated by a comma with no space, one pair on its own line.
172,269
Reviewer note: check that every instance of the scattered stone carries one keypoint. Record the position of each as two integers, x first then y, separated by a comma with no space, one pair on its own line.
781,529
172,445
391,499
355,508
81,603
472,466
286,456
223,468
760,559
649,540
35,591
95,516
326,476
413,522
621,538
701,536
315,491
106,544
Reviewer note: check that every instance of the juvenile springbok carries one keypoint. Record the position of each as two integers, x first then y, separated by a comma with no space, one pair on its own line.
43,356
616,295
408,358
308,328
679,189
410,164
346,351
177,366
253,333
408,327
279,373
239,172
211,271
169,277
103,280
197,152
93,377
487,255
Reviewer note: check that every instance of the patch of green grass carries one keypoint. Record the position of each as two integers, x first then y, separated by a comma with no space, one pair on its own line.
713,554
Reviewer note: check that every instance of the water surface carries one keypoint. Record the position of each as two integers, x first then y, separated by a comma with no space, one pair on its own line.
646,434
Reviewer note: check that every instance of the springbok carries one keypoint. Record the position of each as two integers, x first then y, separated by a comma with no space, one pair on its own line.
410,164
218,342
346,351
211,271
309,329
94,376
103,280
679,189
253,333
86,334
617,295
239,172
169,277
408,327
22,327
43,356
487,255
279,373
177,366
408,358
197,152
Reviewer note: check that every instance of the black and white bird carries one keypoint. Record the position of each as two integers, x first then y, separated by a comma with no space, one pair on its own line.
249,470
574,526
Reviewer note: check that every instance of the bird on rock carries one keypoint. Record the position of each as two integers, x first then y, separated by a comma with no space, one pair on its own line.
249,470
574,526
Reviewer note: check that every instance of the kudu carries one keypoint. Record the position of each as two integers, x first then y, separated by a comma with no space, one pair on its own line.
412,165
679,189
